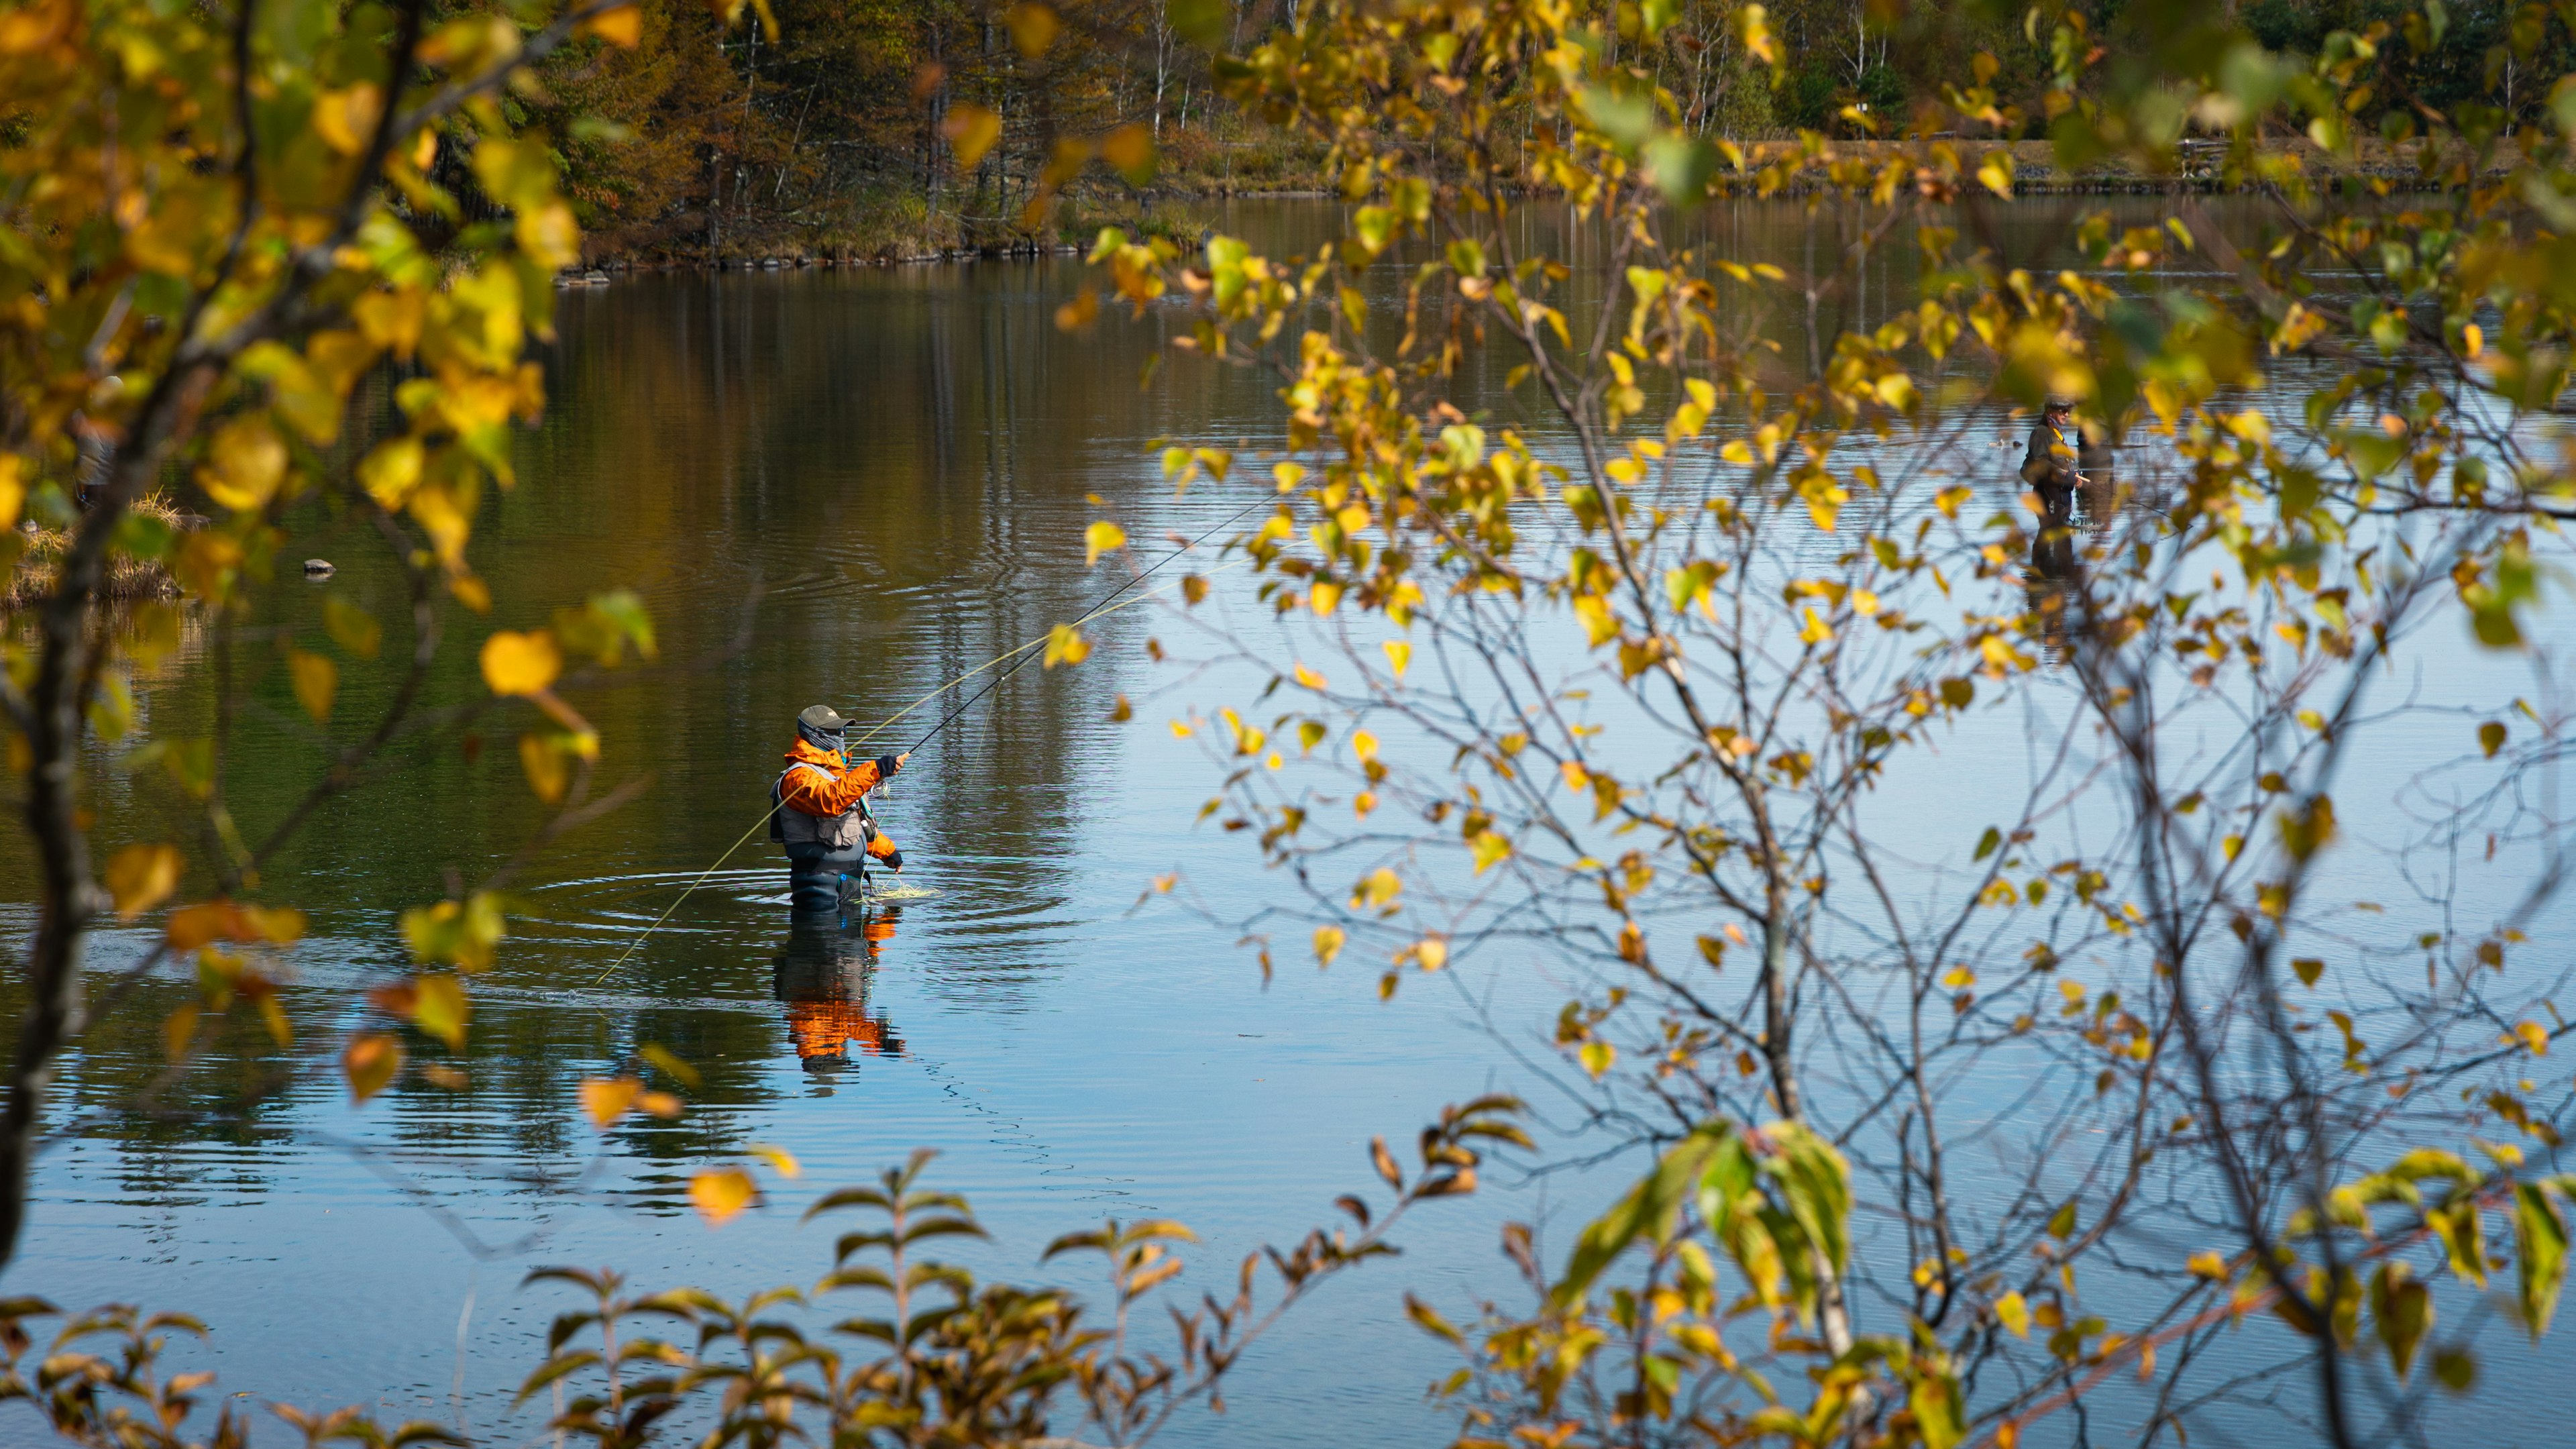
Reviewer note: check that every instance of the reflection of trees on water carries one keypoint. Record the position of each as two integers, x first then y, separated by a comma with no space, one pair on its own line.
823,978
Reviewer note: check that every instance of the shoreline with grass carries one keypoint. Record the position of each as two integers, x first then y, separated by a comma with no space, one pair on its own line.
39,549
904,229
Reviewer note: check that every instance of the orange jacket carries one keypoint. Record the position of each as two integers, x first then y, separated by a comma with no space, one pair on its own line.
808,791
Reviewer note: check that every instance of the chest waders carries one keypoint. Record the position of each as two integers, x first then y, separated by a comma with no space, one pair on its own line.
827,855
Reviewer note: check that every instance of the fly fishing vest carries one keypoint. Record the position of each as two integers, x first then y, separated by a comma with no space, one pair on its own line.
792,827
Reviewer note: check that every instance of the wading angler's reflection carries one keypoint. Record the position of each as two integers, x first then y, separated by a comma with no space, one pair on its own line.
823,978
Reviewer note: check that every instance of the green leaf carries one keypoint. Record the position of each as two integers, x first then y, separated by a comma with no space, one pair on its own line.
1937,1416
1647,1210
1988,842
1681,167
2540,1242
1818,1185
2457,1370
1201,22
2458,1226
2402,1309
1627,119
1375,226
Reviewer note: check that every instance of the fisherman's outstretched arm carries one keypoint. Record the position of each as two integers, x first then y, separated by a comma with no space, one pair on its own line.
811,793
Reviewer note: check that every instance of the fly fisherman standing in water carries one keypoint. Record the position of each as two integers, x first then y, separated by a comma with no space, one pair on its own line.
2049,460
821,811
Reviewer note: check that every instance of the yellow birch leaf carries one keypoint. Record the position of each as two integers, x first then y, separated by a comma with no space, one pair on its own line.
392,469
1324,598
1399,655
1129,150
346,119
971,131
2014,1314
606,1099
13,488
369,1062
622,27
141,877
779,1158
316,680
520,664
1996,171
721,1193
245,462
1100,538
1033,27
1310,678
439,1008
1328,944
1432,952
1065,645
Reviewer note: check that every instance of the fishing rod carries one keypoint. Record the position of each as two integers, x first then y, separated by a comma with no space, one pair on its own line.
952,715
1021,651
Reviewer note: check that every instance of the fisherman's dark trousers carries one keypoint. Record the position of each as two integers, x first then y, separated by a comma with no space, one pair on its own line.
814,876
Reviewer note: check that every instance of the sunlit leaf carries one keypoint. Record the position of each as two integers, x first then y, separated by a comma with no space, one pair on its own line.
1065,645
2014,1314
622,27
971,131
441,1010
140,877
520,664
721,1193
1328,944
605,1099
2540,1251
1033,26
1101,537
369,1062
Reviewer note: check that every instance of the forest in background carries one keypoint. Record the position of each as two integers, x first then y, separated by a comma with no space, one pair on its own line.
842,128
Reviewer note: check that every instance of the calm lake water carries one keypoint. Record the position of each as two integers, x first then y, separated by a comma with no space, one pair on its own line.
878,481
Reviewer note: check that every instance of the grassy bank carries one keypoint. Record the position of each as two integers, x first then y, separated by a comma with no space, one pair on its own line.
42,550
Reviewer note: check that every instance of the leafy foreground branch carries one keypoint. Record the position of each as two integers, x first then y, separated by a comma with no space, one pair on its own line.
2088,843
931,1356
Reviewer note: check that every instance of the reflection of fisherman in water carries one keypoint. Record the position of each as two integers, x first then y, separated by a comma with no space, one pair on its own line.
823,977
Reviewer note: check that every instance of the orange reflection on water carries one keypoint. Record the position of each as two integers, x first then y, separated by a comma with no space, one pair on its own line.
823,977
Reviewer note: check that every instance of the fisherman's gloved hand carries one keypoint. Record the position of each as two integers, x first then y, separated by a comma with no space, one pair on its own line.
888,764
894,861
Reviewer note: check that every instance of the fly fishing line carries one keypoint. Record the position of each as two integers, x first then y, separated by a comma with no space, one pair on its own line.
1104,607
